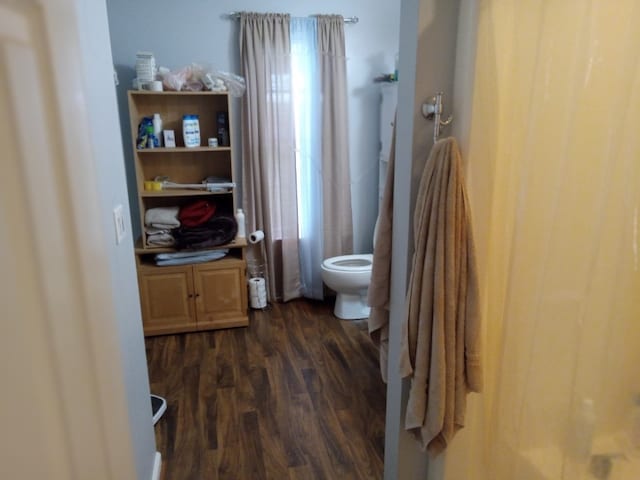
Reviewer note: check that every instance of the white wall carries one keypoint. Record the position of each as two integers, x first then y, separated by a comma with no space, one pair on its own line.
109,164
179,33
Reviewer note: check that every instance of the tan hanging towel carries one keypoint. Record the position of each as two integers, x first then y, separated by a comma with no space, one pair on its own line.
441,334
379,287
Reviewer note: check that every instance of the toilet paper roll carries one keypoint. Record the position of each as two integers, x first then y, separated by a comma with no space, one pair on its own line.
257,292
257,286
257,303
256,236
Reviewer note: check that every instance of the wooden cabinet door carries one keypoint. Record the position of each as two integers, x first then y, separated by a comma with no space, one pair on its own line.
221,294
166,298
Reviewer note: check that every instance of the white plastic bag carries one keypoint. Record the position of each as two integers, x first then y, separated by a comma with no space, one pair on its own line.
219,81
235,83
174,80
196,77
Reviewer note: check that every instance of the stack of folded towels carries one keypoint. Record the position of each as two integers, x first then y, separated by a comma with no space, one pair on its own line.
158,225
194,226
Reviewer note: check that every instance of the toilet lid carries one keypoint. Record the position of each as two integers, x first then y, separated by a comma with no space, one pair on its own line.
349,263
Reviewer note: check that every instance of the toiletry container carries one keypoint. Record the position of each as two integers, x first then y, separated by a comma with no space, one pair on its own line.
222,122
241,225
157,128
191,131
152,141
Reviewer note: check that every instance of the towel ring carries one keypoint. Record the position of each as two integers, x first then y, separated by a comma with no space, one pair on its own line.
432,110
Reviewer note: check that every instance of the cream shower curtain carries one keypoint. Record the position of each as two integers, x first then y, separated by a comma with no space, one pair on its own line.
554,183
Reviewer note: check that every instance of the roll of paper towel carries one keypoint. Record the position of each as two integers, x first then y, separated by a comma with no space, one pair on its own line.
256,236
257,292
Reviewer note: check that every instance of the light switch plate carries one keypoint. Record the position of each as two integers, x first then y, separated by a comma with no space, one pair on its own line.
118,218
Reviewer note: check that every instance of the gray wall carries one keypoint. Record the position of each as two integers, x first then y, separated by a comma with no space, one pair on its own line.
181,32
427,55
107,152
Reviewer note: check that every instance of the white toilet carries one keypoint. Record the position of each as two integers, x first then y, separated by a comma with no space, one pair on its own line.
349,276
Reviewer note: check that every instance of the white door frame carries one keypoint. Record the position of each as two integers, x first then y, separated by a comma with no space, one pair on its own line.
59,348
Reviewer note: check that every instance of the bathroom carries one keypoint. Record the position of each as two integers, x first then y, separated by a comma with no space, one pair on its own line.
209,35
544,98
545,236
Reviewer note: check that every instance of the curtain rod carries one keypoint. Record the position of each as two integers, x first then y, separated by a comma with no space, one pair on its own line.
236,15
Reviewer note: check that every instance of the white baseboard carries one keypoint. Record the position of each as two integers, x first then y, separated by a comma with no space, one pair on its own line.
157,466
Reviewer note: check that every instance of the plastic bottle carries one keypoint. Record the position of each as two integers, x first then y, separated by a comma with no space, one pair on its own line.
581,434
241,226
157,128
191,131
152,142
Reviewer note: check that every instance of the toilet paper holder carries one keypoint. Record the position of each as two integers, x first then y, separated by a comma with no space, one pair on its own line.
256,237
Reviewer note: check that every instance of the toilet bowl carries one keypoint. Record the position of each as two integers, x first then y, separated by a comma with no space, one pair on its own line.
349,276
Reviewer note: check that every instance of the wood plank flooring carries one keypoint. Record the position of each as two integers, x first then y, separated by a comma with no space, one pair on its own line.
296,395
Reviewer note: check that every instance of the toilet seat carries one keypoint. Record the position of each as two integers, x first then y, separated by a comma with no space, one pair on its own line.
349,263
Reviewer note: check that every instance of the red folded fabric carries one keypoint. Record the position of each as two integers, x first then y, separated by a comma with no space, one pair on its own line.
196,213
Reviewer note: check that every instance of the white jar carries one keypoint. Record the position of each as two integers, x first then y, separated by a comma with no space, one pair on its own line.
191,131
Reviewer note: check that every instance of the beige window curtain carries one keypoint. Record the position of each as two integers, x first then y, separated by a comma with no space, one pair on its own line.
269,166
336,180
269,151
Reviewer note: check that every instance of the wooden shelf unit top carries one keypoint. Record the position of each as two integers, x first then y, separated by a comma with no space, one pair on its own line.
171,92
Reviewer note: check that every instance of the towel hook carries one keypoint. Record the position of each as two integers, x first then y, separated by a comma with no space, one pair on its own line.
432,110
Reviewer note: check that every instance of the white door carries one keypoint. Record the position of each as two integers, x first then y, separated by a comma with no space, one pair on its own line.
62,406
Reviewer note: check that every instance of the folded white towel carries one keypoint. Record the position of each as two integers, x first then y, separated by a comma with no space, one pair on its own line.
163,217
161,240
155,230
165,227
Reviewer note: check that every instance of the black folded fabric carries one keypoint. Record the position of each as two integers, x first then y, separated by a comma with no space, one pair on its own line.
218,230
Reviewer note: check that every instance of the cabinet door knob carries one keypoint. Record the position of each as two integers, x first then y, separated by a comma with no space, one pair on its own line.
190,295
197,295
